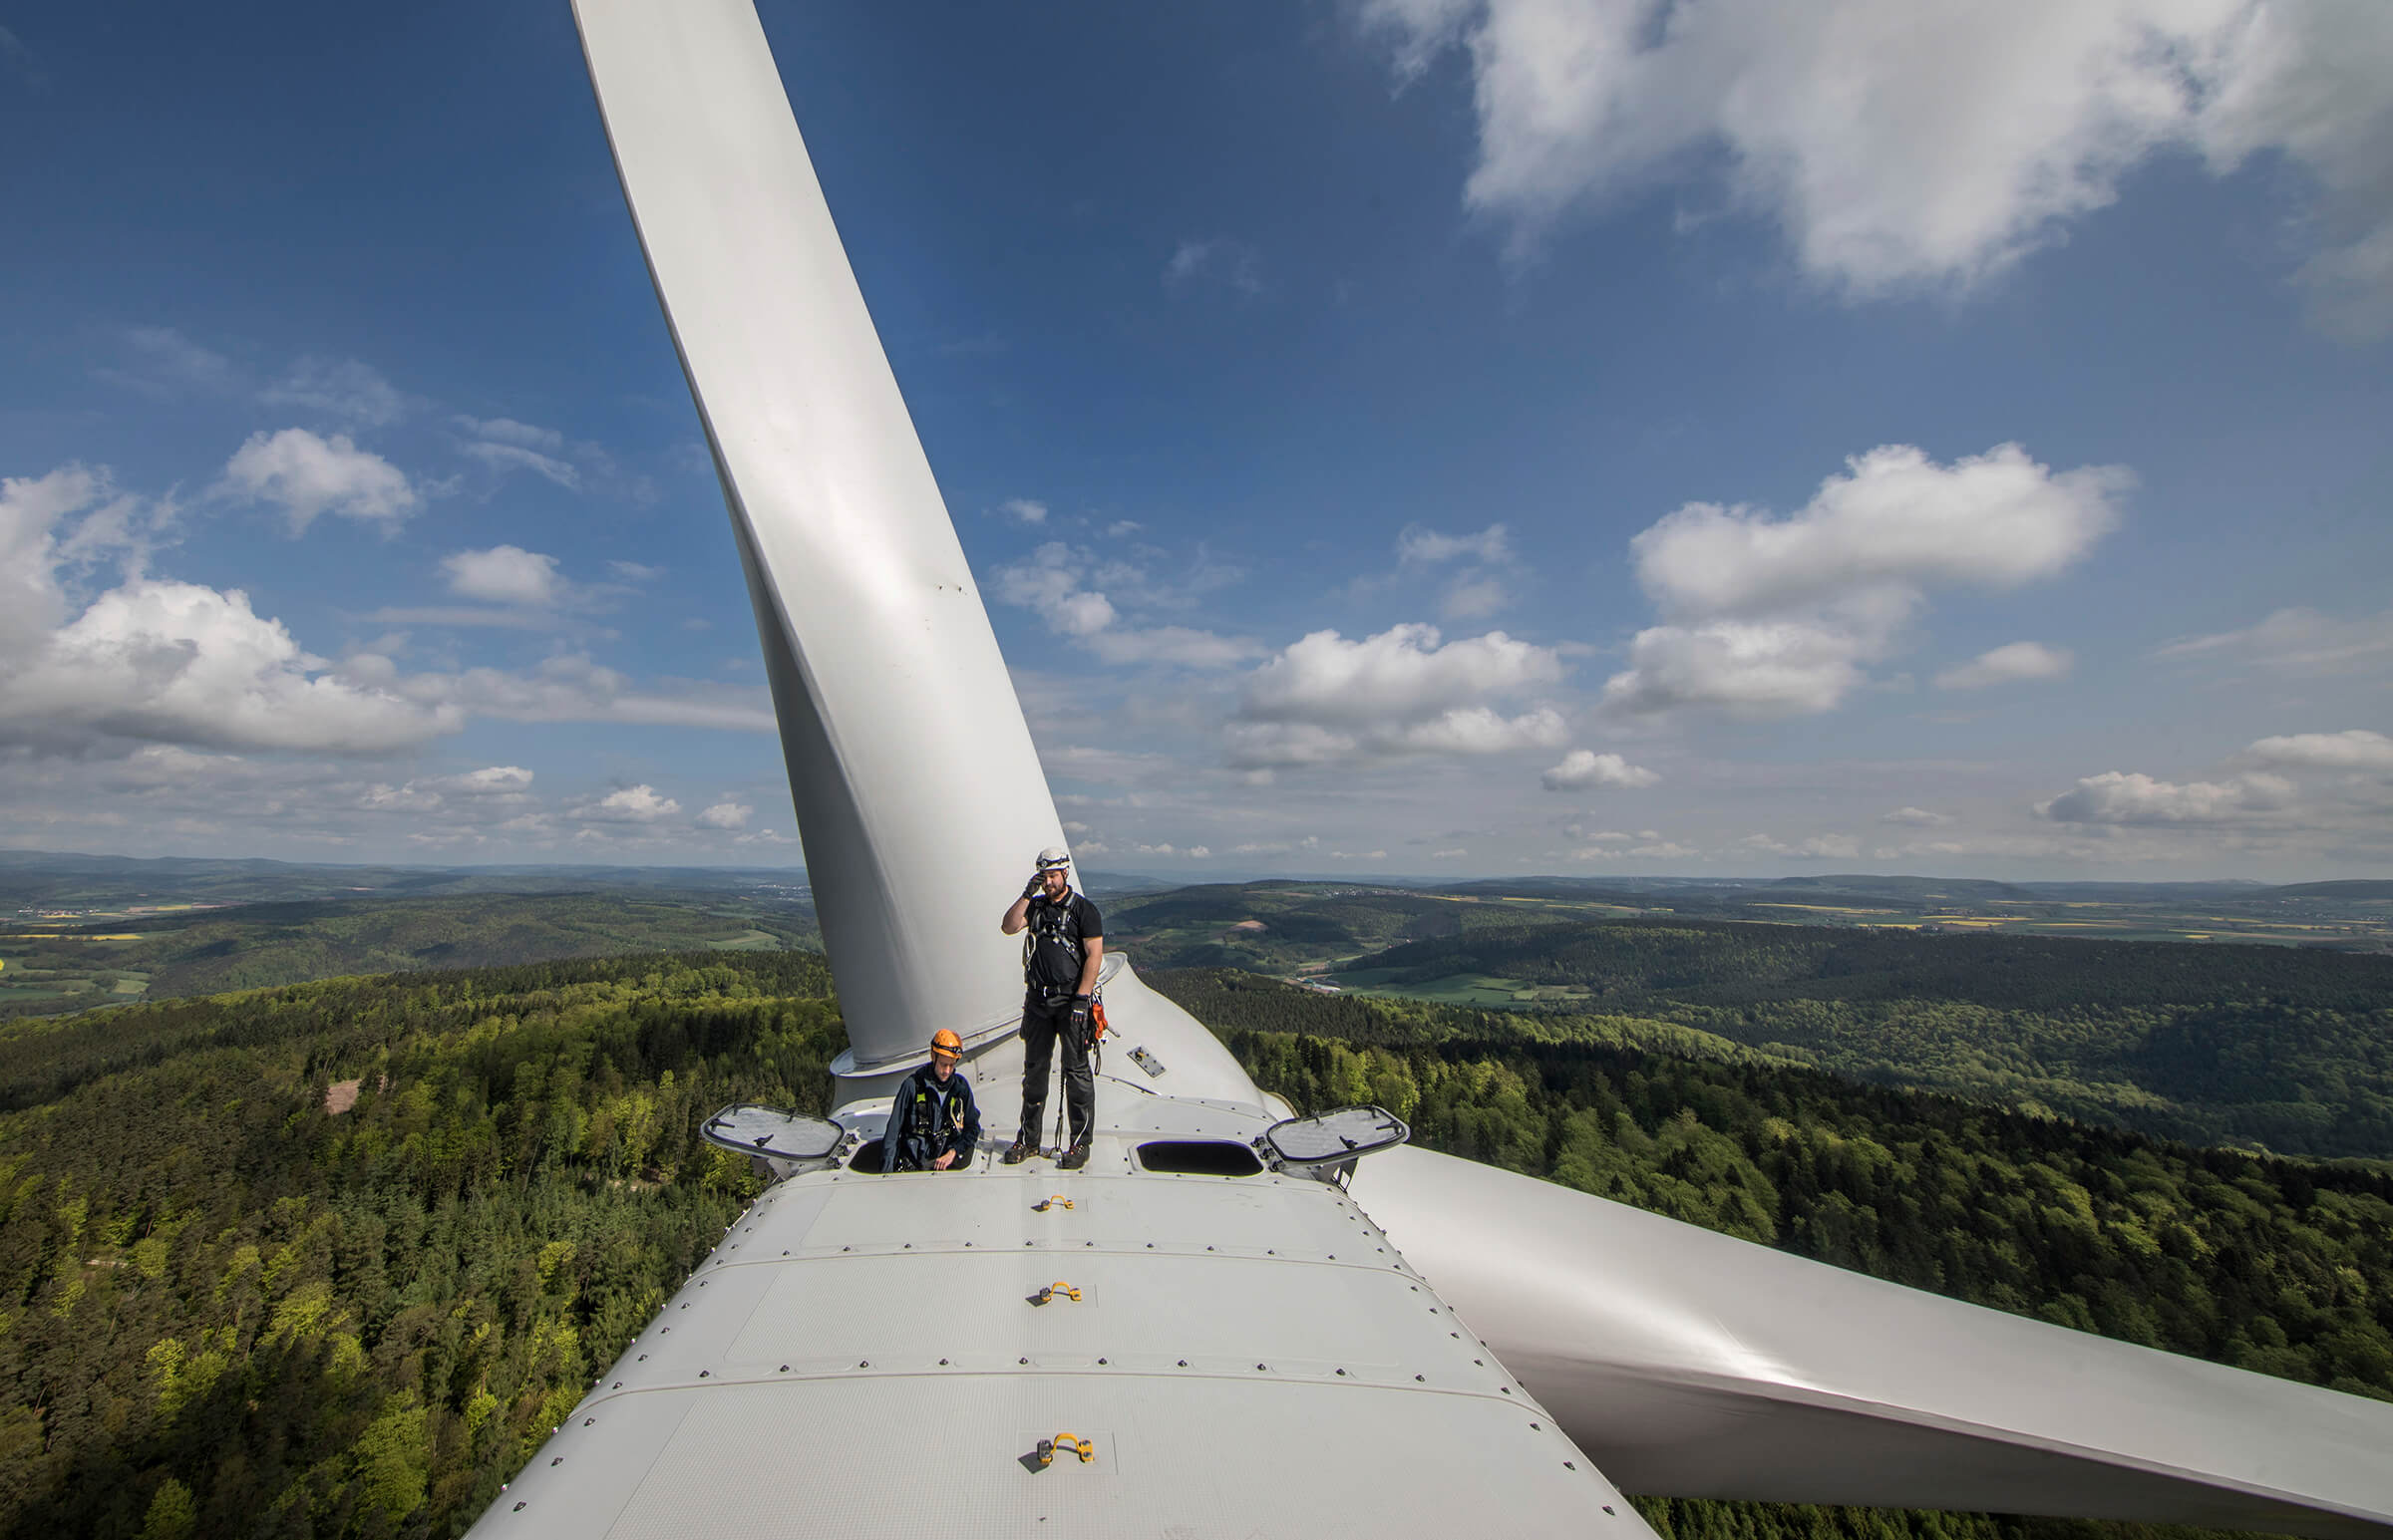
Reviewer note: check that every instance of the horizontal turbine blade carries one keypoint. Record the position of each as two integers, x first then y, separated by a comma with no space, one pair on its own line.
1693,1365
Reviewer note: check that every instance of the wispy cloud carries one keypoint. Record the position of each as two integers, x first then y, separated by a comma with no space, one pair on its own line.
1231,263
2007,665
2296,641
501,444
162,363
342,388
1054,581
18,58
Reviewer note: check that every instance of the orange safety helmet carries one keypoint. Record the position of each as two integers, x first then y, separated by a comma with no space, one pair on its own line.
946,1043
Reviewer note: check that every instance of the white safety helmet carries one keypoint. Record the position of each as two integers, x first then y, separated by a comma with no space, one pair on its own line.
1054,857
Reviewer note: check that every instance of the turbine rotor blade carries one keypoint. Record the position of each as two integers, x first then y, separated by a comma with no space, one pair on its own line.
919,798
1689,1364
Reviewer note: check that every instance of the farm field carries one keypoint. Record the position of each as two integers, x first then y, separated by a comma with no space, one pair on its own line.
50,970
1325,929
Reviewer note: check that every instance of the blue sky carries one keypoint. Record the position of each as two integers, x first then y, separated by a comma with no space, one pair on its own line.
1439,437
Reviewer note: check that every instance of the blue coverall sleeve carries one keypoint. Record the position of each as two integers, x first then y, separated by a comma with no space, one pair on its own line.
891,1136
970,1140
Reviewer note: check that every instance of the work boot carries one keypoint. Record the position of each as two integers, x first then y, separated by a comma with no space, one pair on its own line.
1018,1151
1075,1157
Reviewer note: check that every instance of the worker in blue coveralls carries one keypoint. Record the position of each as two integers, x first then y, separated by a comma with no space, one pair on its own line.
933,1124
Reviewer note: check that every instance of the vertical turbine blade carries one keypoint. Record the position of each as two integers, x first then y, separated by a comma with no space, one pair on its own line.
918,795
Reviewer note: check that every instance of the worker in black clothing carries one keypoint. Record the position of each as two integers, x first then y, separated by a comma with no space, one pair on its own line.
1059,959
933,1124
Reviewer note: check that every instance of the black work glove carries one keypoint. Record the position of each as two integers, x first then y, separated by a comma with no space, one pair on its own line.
1036,885
1080,1019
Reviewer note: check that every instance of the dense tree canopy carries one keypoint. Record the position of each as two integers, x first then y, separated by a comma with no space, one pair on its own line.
227,1310
233,1302
2273,1048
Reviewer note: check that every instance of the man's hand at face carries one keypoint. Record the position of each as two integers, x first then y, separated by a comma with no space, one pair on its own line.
944,1161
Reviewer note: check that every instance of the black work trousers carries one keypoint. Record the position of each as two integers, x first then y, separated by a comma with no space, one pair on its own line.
1044,1023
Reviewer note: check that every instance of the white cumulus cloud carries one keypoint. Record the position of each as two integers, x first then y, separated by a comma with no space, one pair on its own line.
726,815
2134,798
176,662
631,804
157,661
1894,521
1584,768
1406,671
308,475
492,780
1404,691
1765,616
1907,142
1758,669
506,574
2007,665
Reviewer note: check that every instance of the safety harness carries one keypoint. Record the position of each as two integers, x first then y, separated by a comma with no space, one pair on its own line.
922,1119
1048,920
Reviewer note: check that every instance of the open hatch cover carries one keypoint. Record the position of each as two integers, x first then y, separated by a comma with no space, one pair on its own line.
1345,1135
764,1130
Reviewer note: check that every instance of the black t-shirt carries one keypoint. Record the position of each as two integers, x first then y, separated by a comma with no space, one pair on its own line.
1056,942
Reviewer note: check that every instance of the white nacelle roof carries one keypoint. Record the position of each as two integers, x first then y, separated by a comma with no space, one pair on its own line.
1249,1354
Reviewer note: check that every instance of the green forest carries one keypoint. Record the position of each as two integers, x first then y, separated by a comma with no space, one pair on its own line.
234,1303
225,1310
2273,1048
